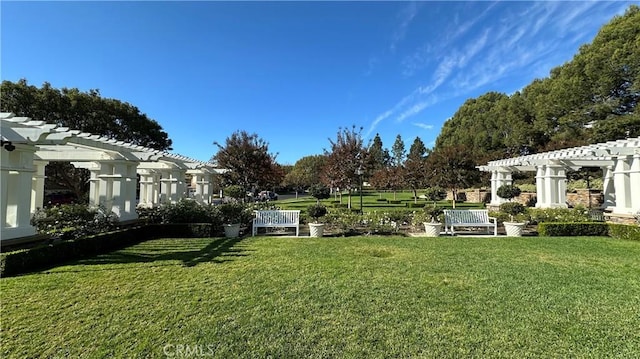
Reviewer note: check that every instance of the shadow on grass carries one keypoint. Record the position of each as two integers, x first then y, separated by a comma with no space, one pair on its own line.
188,251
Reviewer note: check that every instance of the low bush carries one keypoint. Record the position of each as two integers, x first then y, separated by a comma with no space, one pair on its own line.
69,221
343,221
394,201
379,223
184,211
624,231
415,205
559,229
578,214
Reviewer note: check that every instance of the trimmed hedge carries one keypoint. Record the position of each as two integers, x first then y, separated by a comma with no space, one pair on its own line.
50,255
624,231
559,229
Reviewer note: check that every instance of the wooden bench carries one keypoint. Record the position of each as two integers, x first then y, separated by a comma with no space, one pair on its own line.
469,218
276,219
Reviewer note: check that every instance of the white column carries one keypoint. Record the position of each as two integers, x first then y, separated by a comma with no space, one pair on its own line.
499,178
609,192
542,200
172,185
37,185
634,179
16,177
622,184
149,188
555,187
201,182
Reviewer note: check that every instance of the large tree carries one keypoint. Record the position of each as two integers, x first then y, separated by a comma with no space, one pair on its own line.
379,157
398,152
346,158
85,111
452,168
415,167
248,162
305,173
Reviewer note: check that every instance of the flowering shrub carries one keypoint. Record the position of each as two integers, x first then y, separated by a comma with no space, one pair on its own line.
577,214
71,221
380,222
184,211
343,221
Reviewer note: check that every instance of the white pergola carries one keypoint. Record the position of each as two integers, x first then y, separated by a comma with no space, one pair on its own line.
619,161
28,146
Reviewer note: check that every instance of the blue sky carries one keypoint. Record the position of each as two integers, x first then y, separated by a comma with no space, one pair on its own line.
294,72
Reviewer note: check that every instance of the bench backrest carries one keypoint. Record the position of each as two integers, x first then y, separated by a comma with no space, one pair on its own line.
466,216
277,217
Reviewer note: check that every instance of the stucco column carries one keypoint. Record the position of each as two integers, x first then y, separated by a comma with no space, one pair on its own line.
555,187
16,177
499,178
172,185
201,182
149,188
609,192
622,184
542,200
37,185
634,179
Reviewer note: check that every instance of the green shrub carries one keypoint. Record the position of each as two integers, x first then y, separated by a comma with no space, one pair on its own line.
319,191
512,208
508,191
435,194
69,221
415,205
624,231
344,221
184,211
380,223
394,201
234,191
558,229
316,211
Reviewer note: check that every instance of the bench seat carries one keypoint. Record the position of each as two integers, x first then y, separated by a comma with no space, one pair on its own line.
469,218
276,219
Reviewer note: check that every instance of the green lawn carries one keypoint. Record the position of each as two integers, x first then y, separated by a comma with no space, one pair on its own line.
358,297
371,201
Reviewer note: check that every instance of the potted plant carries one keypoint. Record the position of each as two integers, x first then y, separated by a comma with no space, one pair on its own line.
316,211
231,215
514,210
433,227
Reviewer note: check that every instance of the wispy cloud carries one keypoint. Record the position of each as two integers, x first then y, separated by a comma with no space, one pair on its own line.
423,125
406,15
520,41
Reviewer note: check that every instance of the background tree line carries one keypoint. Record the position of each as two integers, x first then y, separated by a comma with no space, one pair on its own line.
85,111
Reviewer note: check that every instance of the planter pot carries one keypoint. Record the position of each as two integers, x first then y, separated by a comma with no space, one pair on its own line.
316,229
432,229
231,230
513,229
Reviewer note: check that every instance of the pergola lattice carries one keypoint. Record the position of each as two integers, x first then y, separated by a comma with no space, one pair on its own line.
28,146
619,161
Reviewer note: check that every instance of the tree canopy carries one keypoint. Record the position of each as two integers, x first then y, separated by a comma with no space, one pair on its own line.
84,111
248,161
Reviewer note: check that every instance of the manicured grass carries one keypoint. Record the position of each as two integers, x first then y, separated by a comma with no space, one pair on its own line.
371,201
358,297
